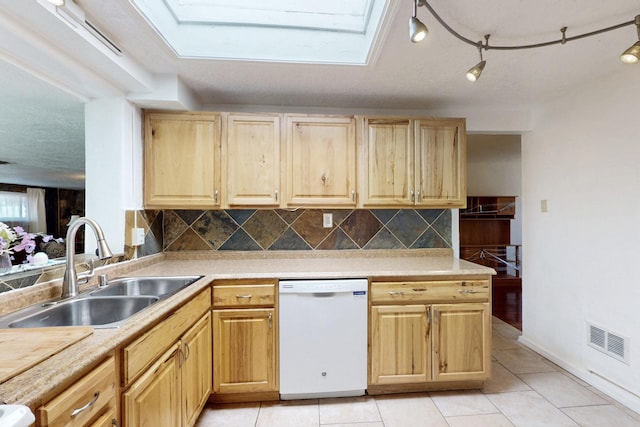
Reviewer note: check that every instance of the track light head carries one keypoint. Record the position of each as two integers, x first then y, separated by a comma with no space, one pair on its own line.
57,2
474,72
417,30
631,55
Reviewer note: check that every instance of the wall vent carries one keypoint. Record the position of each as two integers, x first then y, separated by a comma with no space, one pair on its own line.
609,343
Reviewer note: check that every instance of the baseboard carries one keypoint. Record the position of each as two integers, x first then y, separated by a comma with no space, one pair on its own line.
617,392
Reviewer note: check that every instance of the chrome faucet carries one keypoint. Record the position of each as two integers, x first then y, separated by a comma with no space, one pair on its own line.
70,280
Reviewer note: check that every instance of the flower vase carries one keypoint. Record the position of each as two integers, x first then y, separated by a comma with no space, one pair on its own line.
5,262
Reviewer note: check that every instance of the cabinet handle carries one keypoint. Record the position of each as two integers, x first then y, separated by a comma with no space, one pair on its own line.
418,196
183,358
244,296
270,320
215,196
115,422
428,316
468,291
87,406
353,195
276,195
396,292
413,197
186,346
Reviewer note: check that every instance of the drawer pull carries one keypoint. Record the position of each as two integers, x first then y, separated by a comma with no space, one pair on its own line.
396,292
468,291
87,406
244,296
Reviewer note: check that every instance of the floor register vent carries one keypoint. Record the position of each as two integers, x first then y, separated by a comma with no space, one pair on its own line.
609,343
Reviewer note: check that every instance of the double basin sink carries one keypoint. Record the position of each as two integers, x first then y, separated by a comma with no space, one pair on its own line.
105,307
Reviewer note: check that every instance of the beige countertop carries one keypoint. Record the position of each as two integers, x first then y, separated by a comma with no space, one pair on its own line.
29,387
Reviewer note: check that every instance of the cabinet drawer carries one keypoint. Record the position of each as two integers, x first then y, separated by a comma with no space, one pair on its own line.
258,294
430,291
141,353
85,400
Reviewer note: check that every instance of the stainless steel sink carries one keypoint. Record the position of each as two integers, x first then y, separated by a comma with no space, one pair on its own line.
102,312
160,286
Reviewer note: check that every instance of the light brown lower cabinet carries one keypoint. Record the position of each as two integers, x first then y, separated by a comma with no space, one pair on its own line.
90,401
244,351
418,339
245,340
173,391
196,370
154,399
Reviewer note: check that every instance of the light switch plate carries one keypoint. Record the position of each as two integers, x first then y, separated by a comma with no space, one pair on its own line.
327,220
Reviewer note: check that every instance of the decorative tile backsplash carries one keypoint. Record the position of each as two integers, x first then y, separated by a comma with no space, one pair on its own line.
300,229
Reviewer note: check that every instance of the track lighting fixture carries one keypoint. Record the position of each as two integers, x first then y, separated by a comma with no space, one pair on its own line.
57,2
417,30
630,56
474,72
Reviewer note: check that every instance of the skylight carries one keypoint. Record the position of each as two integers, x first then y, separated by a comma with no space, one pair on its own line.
326,31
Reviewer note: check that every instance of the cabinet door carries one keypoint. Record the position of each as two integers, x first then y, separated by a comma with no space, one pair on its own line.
441,162
399,342
182,160
244,351
196,370
321,161
253,159
461,341
154,399
387,152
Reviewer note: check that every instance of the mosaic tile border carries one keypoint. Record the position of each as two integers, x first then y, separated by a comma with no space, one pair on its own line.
301,229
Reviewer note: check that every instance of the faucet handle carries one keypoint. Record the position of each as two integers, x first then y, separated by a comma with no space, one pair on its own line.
86,276
103,282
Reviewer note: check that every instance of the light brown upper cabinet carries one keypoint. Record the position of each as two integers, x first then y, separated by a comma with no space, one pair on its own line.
320,161
441,164
252,159
413,162
182,160
387,163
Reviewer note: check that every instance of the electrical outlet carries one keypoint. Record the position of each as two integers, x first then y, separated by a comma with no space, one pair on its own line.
327,220
137,236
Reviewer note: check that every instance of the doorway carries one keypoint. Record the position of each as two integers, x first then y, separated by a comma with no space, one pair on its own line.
494,237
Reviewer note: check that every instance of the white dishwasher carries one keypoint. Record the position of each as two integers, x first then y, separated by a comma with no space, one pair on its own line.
323,338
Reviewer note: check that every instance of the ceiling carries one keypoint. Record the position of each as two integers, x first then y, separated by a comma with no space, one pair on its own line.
397,75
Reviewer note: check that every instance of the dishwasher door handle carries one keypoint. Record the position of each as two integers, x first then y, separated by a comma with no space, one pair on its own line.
323,294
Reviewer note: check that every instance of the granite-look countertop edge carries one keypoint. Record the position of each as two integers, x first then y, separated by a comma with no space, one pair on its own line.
29,387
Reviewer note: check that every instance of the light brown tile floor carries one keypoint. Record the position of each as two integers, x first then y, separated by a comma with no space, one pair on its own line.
525,391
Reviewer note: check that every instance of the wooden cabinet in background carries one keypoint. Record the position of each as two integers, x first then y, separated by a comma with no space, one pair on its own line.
252,159
429,334
320,161
245,341
413,162
181,160
485,238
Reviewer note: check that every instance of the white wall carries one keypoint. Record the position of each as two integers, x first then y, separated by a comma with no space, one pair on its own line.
113,151
583,157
